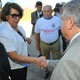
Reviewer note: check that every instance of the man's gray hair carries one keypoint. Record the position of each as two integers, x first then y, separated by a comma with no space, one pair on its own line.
72,8
49,6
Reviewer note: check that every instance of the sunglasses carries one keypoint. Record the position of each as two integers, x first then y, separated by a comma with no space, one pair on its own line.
14,16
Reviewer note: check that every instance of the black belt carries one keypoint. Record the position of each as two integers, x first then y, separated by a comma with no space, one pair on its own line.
50,43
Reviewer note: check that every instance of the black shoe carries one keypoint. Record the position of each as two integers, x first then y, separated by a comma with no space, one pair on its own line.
46,75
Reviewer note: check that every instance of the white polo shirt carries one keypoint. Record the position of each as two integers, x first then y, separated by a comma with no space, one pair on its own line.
12,41
48,29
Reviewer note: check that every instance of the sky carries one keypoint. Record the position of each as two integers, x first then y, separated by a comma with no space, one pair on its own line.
31,3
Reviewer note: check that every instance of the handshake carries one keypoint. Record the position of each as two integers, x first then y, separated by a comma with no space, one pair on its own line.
41,62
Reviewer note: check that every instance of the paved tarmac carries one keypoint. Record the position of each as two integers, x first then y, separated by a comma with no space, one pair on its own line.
34,72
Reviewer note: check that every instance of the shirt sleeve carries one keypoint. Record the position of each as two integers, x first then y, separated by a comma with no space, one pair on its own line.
52,64
37,25
7,42
66,70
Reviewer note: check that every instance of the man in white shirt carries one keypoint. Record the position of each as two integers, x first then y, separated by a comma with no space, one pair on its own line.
47,34
68,68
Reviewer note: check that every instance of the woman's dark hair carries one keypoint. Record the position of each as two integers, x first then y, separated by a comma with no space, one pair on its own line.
6,10
57,7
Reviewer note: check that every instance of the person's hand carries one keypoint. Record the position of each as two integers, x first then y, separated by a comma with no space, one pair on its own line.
44,63
28,40
38,47
39,60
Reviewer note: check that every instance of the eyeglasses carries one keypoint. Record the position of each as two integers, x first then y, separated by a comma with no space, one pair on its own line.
14,16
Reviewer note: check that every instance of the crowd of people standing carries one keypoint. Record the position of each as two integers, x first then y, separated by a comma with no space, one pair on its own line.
47,30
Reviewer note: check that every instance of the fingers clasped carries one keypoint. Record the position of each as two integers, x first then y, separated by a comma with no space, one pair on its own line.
42,62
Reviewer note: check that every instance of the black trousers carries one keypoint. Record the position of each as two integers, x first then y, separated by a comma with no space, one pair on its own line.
4,76
64,43
19,74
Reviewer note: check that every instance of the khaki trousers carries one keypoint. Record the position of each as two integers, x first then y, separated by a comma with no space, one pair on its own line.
54,48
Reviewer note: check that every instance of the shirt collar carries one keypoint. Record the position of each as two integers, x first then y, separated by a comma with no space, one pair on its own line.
47,18
38,13
7,25
74,37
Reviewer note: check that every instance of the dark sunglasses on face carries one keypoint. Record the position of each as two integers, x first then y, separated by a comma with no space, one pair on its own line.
14,16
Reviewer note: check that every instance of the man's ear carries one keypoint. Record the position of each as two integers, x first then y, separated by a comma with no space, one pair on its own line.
71,22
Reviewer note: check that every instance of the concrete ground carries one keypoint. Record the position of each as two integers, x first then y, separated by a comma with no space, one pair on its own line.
34,72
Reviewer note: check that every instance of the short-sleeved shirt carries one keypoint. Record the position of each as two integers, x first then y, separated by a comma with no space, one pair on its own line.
48,29
12,41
